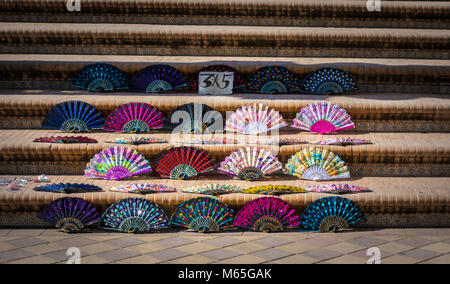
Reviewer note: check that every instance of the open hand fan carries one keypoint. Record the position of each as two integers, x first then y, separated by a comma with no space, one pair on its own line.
68,188
323,118
159,78
273,189
73,116
183,162
134,118
238,79
316,164
342,141
138,140
195,118
267,214
203,214
70,214
331,214
328,81
135,215
212,189
275,141
100,77
117,163
250,163
65,140
143,188
273,79
254,119
206,141
341,188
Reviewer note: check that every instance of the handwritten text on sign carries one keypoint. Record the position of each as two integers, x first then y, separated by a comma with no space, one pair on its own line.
215,83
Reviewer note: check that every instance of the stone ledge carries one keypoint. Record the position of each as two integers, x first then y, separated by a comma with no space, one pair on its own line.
390,196
44,71
418,14
208,40
389,148
359,105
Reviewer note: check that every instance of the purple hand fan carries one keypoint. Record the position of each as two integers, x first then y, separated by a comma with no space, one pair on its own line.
134,118
70,214
117,163
159,78
267,214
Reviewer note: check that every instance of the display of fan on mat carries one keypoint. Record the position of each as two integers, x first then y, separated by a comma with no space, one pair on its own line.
273,79
206,141
203,214
183,162
273,189
238,79
134,215
254,119
159,78
65,140
316,164
68,188
250,163
134,118
212,189
331,214
145,188
328,81
342,141
323,117
100,77
70,214
117,163
73,116
341,188
276,141
138,140
267,214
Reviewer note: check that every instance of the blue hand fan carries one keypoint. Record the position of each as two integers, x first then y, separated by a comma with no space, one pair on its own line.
203,214
73,116
328,81
68,188
100,77
135,215
273,79
331,214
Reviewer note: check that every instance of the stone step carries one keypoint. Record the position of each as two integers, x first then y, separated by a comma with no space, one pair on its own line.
46,71
196,40
392,154
393,202
320,13
360,106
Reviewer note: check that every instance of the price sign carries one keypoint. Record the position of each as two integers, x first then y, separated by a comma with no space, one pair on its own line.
215,83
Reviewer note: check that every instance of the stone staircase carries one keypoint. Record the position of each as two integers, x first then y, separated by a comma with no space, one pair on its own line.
399,57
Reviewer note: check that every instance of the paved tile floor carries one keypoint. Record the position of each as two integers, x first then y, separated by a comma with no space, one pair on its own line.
394,245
